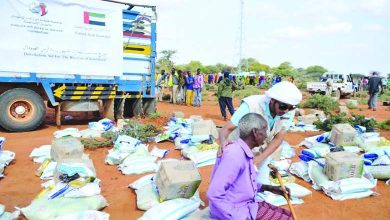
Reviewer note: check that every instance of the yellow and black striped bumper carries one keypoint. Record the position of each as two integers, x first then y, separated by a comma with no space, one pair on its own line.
75,93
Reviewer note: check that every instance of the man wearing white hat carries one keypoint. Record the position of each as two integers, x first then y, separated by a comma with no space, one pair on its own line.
277,106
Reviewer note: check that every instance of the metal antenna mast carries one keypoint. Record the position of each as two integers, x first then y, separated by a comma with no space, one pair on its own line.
241,26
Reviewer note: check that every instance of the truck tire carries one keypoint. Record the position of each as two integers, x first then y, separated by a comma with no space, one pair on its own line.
133,108
337,94
137,108
21,110
108,109
149,106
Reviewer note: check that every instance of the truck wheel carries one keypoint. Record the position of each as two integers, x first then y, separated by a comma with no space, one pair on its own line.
21,110
137,107
133,108
337,94
108,109
149,106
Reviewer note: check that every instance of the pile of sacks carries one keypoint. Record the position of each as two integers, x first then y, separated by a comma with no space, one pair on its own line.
6,157
171,193
72,189
305,121
332,162
195,138
282,164
133,157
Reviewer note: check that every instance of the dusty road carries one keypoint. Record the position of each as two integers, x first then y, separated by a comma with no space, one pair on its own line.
20,185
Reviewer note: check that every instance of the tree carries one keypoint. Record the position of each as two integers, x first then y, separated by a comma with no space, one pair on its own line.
285,69
210,69
193,65
315,69
165,62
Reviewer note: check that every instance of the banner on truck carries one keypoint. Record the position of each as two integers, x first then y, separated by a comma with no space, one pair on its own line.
61,36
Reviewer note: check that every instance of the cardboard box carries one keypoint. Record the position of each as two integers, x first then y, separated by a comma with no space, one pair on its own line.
177,179
84,159
308,119
320,114
204,127
342,134
344,109
178,114
66,148
196,118
343,164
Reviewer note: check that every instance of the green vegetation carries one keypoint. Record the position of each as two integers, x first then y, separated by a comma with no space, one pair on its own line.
341,118
324,103
385,125
93,143
154,115
385,96
135,129
211,87
247,64
351,106
248,91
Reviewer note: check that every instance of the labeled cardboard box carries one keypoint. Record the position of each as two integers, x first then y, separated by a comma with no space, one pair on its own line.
177,179
308,119
343,164
84,160
342,134
204,127
66,148
178,114
320,114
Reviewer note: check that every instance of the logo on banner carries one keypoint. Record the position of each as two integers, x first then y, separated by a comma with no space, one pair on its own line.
38,8
93,18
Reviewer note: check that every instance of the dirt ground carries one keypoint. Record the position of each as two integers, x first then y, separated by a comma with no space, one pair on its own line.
20,185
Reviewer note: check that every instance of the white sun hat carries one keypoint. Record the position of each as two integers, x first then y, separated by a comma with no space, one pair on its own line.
285,92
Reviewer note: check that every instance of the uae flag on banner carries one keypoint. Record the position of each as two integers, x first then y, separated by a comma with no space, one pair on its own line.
94,18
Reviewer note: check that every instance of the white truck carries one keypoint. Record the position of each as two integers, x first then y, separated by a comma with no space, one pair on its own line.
74,56
343,84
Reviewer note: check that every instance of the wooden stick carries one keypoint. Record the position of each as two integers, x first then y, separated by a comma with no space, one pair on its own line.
283,187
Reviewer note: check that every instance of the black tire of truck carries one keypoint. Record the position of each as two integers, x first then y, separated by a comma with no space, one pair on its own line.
149,106
21,110
337,94
133,108
137,108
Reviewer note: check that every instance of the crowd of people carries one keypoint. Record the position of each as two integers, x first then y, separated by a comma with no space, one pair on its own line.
184,87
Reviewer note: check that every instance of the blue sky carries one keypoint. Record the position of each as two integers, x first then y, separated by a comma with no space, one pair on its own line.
341,35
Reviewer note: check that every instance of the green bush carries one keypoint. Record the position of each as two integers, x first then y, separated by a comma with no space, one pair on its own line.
248,91
330,121
385,125
385,96
351,106
341,118
154,115
211,87
266,85
134,129
324,103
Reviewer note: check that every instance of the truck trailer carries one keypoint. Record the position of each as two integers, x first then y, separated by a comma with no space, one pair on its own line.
75,56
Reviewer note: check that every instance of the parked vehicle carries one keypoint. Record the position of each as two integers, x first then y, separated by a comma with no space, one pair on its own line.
75,55
343,84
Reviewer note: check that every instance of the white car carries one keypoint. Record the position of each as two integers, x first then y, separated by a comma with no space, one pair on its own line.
343,84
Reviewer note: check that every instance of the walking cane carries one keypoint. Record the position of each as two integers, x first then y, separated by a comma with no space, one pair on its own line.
283,187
